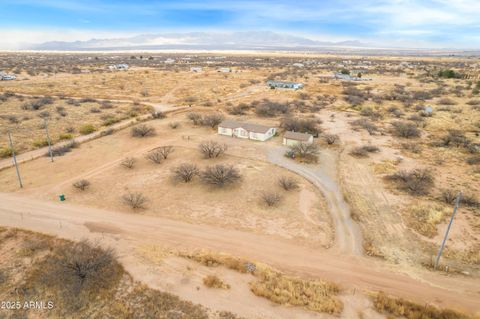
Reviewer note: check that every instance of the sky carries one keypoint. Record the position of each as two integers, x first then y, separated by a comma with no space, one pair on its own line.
453,24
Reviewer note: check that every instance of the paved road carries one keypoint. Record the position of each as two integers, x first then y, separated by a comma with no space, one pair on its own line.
348,236
127,232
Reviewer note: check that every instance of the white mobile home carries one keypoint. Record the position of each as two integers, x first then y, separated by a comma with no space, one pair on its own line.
284,85
250,131
291,138
196,69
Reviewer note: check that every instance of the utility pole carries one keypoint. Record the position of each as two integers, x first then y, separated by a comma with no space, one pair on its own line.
14,159
48,139
457,203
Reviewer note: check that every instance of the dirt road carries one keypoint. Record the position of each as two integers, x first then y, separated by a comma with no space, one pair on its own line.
348,237
126,232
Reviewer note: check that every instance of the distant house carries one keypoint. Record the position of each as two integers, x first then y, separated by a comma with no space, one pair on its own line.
250,131
169,61
348,77
298,65
225,70
195,69
7,77
121,66
291,138
284,85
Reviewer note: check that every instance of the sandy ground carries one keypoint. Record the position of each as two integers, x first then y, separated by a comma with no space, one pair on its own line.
131,231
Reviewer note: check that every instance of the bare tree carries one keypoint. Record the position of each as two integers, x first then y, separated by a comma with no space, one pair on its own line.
165,151
212,149
195,117
80,271
220,175
416,182
305,149
212,120
135,200
82,184
271,199
186,172
154,156
142,130
128,162
288,183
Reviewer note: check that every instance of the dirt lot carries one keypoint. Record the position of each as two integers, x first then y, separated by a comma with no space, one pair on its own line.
301,214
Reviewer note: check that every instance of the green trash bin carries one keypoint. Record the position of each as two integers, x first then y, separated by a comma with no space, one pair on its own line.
62,197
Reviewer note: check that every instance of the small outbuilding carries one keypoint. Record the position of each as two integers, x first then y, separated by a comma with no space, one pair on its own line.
196,69
250,131
291,138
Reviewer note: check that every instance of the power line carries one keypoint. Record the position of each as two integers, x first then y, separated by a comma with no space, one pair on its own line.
457,203
15,159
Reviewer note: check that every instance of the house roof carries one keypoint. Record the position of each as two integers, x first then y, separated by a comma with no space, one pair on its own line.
256,128
303,137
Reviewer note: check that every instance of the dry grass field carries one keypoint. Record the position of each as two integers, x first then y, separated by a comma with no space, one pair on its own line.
394,151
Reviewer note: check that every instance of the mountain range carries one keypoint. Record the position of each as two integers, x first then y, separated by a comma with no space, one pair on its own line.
257,40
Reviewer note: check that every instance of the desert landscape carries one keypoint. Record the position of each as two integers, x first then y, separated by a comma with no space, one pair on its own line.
333,205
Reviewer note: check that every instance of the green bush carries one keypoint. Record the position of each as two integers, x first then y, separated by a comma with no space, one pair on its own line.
86,129
5,152
65,136
40,142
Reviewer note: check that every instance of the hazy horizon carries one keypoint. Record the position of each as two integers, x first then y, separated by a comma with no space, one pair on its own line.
435,24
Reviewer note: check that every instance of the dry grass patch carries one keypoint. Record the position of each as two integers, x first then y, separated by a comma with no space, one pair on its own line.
314,295
424,219
406,309
212,281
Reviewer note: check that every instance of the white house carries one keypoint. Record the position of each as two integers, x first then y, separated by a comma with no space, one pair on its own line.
169,61
225,70
298,65
250,131
195,69
284,85
121,66
291,138
7,77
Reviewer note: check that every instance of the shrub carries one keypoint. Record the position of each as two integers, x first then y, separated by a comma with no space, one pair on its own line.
305,149
365,124
212,281
5,152
86,129
135,200
60,150
195,117
414,148
41,142
288,183
128,162
82,184
80,272
405,129
271,199
174,125
448,196
142,130
416,182
158,115
65,136
212,149
455,138
220,175
331,138
185,172
301,125
362,151
165,151
212,120
154,156
474,160
267,108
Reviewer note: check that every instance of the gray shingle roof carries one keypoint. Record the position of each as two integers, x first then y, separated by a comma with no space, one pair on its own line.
256,128
304,137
